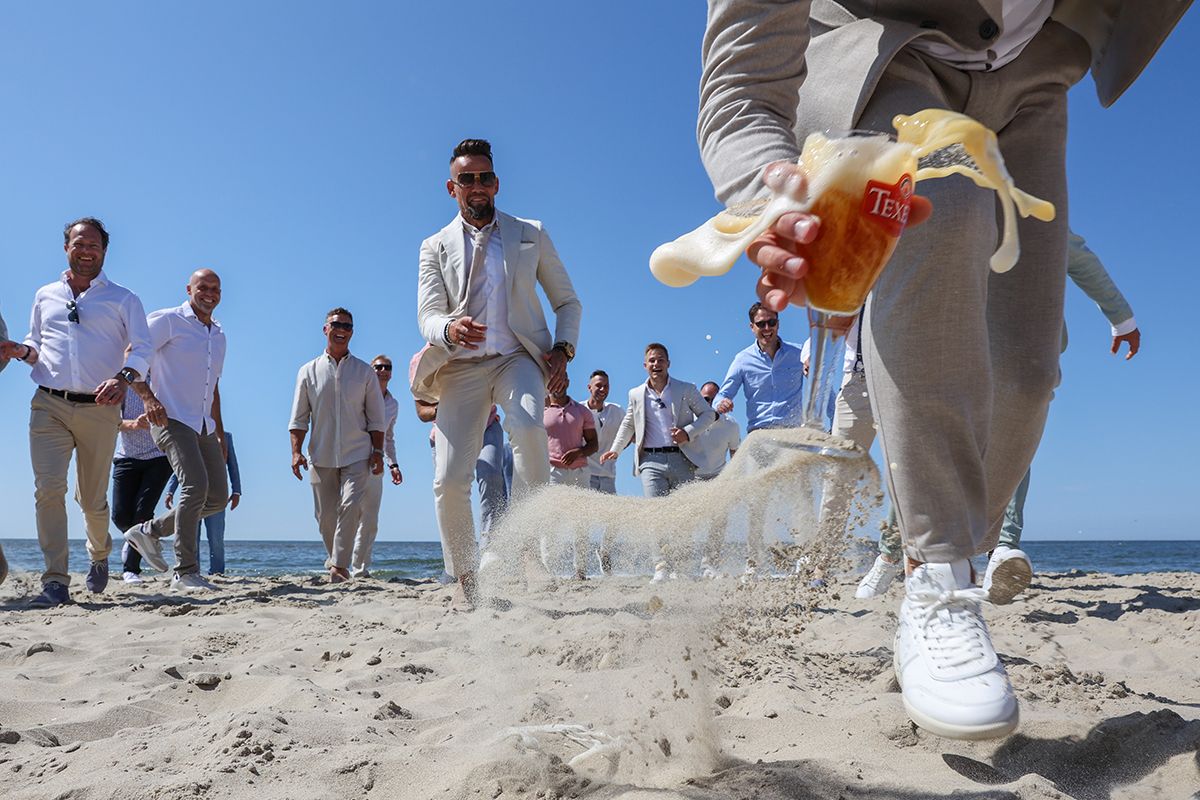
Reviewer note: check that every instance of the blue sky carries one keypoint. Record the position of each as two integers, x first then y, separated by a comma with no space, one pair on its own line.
300,150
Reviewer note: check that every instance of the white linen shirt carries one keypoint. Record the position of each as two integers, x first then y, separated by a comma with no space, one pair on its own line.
342,402
187,363
499,339
608,422
391,410
79,356
708,452
659,418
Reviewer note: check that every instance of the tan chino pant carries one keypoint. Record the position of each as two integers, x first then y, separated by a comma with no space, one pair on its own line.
338,494
58,428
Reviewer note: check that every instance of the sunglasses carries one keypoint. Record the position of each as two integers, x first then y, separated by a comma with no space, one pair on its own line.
659,402
382,367
766,323
72,312
471,178
342,326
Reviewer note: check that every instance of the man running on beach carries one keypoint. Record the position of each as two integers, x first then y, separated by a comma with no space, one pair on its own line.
185,374
958,437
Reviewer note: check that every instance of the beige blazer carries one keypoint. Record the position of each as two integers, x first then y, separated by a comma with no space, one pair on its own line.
688,407
529,260
757,53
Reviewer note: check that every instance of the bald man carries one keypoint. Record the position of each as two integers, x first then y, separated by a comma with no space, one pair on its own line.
185,421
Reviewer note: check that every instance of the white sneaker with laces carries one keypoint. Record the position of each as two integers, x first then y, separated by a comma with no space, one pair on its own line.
151,549
1009,573
192,582
951,680
878,579
131,577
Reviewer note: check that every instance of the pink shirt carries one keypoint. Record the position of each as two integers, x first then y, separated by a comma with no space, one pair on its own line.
564,429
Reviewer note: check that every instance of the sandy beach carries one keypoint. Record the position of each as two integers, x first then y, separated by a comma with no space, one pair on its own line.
290,688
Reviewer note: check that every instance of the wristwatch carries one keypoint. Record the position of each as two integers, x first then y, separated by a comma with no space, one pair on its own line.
128,374
566,348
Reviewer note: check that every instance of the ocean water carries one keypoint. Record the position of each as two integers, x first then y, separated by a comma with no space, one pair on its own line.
424,559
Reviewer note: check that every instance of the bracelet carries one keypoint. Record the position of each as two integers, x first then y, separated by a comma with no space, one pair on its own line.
28,350
446,333
394,466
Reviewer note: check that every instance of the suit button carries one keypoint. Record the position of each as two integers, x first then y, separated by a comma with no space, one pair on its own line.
988,29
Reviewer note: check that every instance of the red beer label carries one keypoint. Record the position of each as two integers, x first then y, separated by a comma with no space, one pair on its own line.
887,204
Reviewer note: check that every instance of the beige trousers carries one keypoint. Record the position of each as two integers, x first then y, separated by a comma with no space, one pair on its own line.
468,389
368,525
58,428
338,500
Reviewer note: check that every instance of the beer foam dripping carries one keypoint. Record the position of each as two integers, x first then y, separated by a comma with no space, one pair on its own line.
944,142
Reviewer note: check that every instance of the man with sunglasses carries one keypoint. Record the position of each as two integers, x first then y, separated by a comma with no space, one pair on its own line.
479,309
339,399
368,526
78,332
769,372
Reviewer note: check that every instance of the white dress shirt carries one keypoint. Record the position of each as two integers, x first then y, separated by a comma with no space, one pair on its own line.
488,291
342,402
187,363
79,356
718,439
659,418
608,422
1022,21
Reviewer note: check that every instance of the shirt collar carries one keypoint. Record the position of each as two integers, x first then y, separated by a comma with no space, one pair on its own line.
100,280
188,312
491,227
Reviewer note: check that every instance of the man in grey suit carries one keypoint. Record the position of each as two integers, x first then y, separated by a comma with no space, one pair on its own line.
664,418
958,438
489,344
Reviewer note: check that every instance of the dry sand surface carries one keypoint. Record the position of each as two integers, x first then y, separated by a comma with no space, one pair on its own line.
290,688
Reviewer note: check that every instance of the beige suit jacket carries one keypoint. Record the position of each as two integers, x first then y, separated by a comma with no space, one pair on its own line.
529,260
756,105
688,408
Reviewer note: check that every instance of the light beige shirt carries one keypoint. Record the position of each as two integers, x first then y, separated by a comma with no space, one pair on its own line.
339,403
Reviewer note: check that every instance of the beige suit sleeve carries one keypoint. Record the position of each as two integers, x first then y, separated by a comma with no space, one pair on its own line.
705,415
753,66
552,275
625,430
433,304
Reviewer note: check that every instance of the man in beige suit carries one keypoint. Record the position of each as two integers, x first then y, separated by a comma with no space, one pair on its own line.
958,438
664,418
478,308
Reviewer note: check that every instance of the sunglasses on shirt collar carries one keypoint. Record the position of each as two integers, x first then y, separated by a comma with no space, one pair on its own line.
471,178
72,312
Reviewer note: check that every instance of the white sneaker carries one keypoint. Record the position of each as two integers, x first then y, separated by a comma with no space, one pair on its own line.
151,549
1009,572
131,577
192,582
952,683
660,572
878,578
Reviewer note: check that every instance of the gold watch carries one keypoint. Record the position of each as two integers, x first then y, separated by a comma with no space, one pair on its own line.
567,349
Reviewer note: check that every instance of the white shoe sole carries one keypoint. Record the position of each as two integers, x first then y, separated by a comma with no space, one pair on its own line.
1009,579
991,730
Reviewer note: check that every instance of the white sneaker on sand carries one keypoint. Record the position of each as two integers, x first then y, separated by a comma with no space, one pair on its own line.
151,549
878,579
131,577
662,572
1009,572
192,582
952,683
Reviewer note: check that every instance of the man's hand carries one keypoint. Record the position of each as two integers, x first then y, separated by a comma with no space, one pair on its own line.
9,349
234,499
298,462
111,392
569,456
155,413
782,251
557,361
724,405
142,422
607,457
376,463
397,478
679,436
466,333
1133,338
169,500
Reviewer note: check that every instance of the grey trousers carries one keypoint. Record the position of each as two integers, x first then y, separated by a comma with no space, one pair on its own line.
337,504
199,464
961,362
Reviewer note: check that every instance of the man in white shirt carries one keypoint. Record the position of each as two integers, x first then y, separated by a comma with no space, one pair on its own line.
189,355
78,331
479,310
338,397
603,476
368,526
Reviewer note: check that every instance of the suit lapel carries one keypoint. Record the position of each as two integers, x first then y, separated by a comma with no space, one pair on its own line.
510,236
456,259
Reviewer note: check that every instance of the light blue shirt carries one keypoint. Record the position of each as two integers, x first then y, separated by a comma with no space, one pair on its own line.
773,386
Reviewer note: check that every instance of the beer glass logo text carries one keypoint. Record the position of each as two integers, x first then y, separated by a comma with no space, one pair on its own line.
888,204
